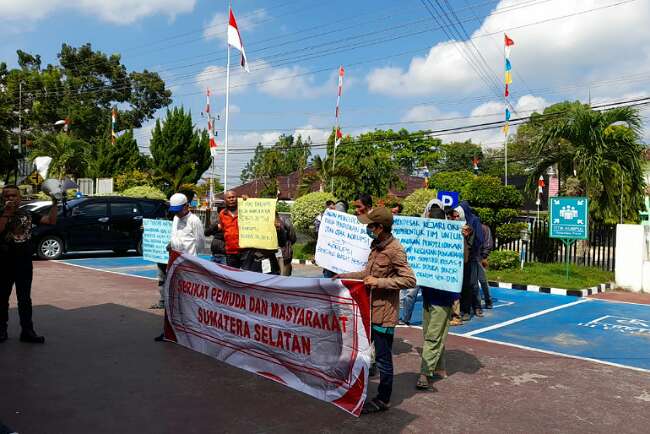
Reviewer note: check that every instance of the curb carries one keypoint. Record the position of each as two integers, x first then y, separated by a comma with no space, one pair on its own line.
557,291
302,262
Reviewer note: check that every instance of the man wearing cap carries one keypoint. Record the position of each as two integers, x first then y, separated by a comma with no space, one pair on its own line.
187,231
386,273
187,228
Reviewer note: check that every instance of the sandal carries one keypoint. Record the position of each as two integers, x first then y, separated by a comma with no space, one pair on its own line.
424,383
374,406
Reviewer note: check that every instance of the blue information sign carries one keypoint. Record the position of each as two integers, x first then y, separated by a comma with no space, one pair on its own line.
448,198
569,218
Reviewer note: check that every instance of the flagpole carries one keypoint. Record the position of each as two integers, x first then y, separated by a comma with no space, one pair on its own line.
225,132
505,140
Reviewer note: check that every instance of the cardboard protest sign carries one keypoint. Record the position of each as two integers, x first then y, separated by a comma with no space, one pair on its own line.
309,334
343,244
155,238
257,223
434,248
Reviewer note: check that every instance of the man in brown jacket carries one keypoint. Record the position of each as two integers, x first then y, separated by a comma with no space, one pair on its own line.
386,273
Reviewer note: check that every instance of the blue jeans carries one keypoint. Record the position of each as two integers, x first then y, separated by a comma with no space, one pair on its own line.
384,359
407,301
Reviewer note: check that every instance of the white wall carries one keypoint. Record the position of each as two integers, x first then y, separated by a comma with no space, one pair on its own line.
632,257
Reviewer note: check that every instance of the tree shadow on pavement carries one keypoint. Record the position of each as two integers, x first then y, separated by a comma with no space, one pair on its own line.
100,371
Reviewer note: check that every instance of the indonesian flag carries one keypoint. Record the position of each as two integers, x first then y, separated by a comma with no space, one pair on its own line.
540,184
509,42
475,162
213,142
235,41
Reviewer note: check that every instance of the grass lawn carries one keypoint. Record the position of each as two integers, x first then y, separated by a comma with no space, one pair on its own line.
552,275
304,250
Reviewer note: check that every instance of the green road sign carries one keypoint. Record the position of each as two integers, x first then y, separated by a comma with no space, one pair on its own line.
569,218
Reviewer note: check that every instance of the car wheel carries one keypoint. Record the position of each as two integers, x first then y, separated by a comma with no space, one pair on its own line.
138,248
50,247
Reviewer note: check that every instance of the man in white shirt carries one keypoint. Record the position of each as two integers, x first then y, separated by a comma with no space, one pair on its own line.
187,231
187,228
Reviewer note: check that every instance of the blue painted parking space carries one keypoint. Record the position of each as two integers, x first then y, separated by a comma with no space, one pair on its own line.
596,329
508,305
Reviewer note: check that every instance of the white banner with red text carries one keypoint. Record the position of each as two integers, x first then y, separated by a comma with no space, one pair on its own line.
309,334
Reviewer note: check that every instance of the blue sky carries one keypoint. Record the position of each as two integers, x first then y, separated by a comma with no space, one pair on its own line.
402,69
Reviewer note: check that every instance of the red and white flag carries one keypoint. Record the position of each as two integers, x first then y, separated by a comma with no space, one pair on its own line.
235,41
207,104
540,184
339,135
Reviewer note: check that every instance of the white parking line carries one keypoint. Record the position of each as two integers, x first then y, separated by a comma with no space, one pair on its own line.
524,318
105,271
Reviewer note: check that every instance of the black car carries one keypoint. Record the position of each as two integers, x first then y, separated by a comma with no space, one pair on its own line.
96,223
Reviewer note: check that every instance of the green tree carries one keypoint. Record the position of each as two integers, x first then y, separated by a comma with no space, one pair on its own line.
181,153
83,87
604,150
458,156
69,154
451,181
115,159
287,155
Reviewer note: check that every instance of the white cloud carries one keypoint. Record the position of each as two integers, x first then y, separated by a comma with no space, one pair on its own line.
491,111
590,46
283,82
217,27
113,11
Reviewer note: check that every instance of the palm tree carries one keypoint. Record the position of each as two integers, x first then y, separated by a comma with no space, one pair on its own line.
69,155
321,171
603,150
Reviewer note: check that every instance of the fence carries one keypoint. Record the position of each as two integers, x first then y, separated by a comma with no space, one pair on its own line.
598,251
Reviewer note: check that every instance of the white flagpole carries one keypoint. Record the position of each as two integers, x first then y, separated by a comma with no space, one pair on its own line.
225,132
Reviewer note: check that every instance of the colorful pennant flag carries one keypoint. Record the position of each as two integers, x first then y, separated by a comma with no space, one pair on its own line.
507,78
213,142
113,123
235,41
540,184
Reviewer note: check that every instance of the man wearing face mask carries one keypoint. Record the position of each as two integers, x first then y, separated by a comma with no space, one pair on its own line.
386,273
187,231
230,228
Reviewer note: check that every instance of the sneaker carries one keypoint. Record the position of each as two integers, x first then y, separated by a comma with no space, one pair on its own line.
400,322
3,335
30,337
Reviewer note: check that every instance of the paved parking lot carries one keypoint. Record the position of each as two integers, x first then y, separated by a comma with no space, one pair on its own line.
101,372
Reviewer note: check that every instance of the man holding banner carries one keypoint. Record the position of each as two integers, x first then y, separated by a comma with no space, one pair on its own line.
386,273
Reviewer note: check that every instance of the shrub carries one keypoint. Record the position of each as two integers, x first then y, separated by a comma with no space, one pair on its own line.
415,202
133,178
282,207
451,181
503,259
510,231
504,215
305,210
486,215
144,192
489,192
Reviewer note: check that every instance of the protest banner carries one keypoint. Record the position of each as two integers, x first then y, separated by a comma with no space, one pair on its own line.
155,238
434,248
343,245
308,334
256,219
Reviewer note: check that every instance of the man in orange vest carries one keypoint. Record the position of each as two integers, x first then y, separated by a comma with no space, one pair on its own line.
229,227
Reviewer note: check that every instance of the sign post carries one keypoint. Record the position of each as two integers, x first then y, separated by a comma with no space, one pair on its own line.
569,221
